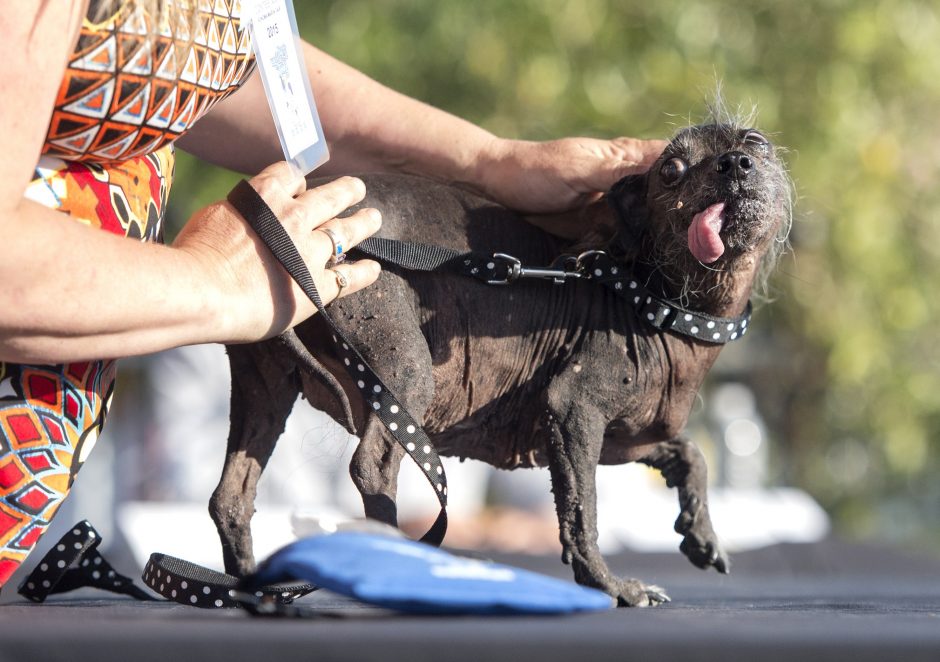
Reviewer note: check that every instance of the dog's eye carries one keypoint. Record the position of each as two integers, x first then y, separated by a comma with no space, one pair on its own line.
673,170
756,139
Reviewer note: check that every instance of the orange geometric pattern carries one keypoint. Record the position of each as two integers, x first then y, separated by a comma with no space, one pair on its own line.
129,91
126,198
47,428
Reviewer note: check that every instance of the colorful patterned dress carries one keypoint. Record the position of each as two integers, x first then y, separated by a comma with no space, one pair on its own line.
129,90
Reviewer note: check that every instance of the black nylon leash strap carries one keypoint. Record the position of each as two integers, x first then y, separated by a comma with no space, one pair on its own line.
413,256
400,424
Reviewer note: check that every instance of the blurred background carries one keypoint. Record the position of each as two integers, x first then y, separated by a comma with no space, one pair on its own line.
837,391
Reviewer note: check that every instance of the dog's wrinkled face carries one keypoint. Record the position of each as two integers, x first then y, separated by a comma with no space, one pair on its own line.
721,190
717,193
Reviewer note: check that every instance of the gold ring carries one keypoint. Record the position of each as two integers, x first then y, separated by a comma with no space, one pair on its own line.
341,281
338,246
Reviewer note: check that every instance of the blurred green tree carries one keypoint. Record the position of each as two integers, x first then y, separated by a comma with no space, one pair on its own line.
846,362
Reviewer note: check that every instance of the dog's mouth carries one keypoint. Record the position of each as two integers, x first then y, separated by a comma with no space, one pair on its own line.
705,241
724,225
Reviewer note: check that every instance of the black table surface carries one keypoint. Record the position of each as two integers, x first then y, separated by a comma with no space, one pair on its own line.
826,601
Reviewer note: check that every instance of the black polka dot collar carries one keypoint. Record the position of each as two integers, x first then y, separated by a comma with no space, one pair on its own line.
663,314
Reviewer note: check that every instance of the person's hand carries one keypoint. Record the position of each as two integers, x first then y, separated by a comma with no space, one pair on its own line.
258,299
560,175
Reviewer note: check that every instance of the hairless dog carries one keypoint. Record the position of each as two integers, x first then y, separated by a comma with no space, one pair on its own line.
534,374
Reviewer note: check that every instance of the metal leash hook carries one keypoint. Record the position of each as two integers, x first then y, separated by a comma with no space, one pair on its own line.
562,269
581,261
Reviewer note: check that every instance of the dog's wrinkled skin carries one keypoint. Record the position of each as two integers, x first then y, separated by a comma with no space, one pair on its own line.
532,374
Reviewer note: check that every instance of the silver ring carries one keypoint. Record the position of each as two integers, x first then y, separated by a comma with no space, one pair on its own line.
338,247
341,281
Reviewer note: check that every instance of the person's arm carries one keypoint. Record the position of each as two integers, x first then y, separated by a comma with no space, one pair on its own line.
69,292
372,128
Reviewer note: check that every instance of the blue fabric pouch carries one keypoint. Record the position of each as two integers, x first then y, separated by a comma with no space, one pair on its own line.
413,577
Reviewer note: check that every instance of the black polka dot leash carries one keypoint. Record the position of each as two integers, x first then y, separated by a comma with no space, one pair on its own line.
400,424
74,562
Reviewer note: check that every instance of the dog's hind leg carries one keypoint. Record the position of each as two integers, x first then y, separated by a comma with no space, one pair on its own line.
264,388
683,466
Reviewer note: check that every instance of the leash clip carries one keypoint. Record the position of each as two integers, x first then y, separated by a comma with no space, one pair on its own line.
563,268
513,269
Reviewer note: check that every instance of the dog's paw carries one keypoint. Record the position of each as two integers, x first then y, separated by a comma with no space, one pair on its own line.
705,553
699,542
634,593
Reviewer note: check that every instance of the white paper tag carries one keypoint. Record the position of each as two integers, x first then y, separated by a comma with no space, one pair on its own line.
278,53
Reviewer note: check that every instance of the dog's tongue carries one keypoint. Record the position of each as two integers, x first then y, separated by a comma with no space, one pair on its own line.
704,242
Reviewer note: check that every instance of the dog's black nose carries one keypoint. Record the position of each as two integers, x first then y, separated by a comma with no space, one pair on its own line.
735,165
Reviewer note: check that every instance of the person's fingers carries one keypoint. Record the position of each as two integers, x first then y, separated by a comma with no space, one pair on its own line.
347,232
325,202
650,150
348,277
611,160
638,155
279,180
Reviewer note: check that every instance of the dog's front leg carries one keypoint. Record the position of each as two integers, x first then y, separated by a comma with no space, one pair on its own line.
683,466
574,447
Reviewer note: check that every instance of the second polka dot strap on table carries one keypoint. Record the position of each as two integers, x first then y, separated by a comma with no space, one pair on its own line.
74,562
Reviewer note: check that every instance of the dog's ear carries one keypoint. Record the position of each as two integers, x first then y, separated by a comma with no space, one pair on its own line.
627,198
